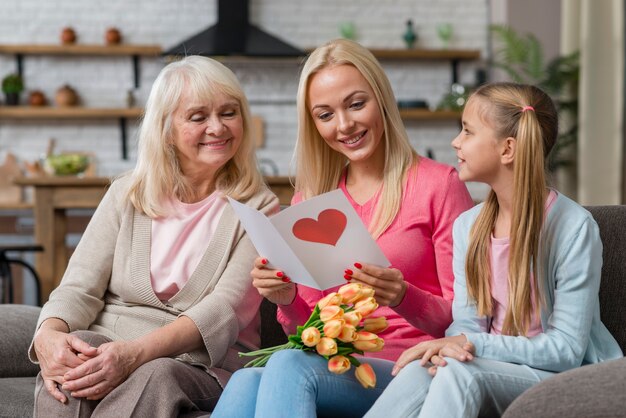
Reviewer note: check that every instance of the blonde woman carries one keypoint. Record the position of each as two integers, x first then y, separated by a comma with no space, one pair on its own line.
527,273
157,299
351,136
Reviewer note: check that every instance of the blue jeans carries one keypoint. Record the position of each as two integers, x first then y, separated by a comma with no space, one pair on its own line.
298,384
479,387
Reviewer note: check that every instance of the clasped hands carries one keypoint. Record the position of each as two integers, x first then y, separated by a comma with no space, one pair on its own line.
84,371
434,351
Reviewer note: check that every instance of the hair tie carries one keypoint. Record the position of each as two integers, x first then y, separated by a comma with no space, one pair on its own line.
525,108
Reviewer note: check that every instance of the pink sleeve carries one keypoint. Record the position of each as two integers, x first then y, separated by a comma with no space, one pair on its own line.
298,312
424,310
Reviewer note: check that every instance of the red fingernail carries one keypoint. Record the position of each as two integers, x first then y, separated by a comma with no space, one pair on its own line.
358,265
348,278
286,279
349,272
264,261
279,274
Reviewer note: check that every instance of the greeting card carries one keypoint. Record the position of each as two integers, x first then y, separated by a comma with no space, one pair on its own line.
314,241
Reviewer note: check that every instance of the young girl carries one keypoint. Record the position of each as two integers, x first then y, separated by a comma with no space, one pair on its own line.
527,272
351,136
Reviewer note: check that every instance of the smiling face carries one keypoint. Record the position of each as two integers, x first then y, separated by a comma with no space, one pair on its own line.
346,114
206,133
477,146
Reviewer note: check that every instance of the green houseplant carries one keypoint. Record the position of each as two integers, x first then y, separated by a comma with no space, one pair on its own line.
12,86
521,57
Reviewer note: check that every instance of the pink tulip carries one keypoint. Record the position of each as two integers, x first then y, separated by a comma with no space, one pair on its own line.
352,318
348,334
366,306
338,364
333,328
330,299
366,376
350,292
331,312
367,341
326,346
310,336
375,325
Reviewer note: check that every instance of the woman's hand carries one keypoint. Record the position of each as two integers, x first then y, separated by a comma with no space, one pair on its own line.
388,283
272,284
58,353
98,376
434,351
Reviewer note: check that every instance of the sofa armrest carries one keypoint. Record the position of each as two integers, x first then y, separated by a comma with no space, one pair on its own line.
17,326
596,390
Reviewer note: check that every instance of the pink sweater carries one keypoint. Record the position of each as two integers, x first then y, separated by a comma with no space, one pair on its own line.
419,244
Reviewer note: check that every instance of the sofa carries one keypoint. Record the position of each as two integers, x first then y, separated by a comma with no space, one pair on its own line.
589,391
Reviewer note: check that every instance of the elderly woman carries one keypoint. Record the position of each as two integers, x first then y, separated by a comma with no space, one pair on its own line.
157,298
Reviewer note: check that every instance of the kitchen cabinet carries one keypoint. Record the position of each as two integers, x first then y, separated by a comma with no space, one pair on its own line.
77,112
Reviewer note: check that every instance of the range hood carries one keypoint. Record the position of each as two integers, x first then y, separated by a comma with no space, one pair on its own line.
234,35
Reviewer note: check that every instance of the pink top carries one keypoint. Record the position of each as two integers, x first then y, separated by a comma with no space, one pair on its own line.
500,280
179,241
419,244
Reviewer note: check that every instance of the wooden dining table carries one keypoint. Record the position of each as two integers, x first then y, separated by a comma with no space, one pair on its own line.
54,195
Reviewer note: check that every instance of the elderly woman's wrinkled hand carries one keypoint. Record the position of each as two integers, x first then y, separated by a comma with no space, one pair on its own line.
98,376
58,353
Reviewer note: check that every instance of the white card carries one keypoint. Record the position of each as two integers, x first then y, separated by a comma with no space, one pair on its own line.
314,241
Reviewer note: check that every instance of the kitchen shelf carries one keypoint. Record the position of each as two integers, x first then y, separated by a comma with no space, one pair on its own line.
134,51
426,114
75,113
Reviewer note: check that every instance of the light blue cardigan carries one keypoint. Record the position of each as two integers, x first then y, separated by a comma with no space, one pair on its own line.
571,261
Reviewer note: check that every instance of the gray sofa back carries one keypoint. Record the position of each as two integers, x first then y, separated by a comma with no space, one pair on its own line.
612,223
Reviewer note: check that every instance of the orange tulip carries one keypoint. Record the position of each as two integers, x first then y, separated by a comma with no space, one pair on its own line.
352,318
375,325
350,292
348,334
326,346
367,341
365,375
330,299
331,312
333,328
367,292
366,306
338,364
311,336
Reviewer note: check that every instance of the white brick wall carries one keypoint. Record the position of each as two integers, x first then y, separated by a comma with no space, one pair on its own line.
270,85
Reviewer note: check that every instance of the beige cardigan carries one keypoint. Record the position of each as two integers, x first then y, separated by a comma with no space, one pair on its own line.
106,287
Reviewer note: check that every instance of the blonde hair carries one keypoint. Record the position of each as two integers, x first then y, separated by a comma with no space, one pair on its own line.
319,167
157,175
505,108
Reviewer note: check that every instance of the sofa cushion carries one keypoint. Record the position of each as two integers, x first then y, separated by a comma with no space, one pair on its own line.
18,397
596,390
17,326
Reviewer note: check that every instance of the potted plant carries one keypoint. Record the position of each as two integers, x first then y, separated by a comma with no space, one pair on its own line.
12,86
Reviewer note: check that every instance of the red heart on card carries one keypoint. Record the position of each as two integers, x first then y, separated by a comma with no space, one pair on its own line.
327,229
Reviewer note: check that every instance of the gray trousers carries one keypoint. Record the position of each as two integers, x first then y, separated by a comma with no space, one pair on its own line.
160,388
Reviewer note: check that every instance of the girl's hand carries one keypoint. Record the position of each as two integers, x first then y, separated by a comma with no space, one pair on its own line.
388,283
272,284
98,376
434,351
58,353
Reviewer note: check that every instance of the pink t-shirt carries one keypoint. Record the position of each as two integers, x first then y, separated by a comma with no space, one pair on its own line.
499,257
419,244
180,240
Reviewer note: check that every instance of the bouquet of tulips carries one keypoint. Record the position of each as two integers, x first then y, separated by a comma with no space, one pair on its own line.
339,326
